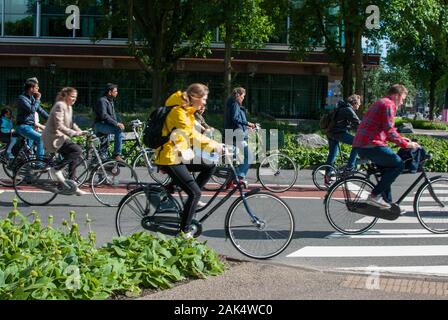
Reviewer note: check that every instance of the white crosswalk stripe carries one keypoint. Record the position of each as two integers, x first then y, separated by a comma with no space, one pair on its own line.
346,254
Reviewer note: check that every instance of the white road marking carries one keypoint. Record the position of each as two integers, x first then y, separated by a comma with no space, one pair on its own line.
389,233
369,251
404,219
416,270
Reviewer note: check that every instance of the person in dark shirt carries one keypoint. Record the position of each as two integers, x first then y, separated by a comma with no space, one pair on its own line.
236,120
106,120
28,104
345,119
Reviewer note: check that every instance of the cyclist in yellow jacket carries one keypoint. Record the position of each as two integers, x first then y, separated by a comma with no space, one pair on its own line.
175,156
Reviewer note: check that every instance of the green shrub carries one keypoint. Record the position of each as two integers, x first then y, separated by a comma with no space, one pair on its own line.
308,158
422,124
38,262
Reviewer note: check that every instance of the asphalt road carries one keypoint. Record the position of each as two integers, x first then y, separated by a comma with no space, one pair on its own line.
402,246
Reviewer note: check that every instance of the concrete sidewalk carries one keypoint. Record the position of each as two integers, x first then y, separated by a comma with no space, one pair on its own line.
262,281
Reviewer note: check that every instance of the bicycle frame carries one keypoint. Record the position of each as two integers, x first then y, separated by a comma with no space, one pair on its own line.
423,176
238,187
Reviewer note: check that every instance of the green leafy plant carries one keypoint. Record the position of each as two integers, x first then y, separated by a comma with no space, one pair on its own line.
308,158
42,262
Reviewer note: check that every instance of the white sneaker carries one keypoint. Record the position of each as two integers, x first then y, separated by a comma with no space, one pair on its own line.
187,235
201,204
378,201
79,192
57,174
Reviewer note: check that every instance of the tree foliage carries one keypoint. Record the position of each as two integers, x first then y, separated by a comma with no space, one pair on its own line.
418,30
160,33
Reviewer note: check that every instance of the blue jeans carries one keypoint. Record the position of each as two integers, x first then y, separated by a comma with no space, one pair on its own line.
391,165
110,129
333,148
28,132
243,168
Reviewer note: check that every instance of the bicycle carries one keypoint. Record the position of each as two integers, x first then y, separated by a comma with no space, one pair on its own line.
106,178
325,174
345,202
273,172
22,152
152,208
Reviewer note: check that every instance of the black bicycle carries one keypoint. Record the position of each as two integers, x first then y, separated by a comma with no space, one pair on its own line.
345,202
259,224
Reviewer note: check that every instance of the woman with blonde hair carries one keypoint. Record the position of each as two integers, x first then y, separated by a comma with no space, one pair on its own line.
175,156
58,131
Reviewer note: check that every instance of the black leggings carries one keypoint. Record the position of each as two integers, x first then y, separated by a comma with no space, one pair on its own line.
71,152
182,177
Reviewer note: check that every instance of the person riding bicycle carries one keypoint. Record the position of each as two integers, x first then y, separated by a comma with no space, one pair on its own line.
106,119
58,131
236,120
376,128
345,119
175,156
28,104
7,133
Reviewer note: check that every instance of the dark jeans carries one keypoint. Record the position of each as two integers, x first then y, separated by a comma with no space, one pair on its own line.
71,153
333,148
391,165
117,132
182,177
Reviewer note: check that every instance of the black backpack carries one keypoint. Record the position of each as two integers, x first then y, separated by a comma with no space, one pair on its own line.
328,119
152,135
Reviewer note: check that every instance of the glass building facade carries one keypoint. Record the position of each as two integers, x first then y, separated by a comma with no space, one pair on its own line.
44,22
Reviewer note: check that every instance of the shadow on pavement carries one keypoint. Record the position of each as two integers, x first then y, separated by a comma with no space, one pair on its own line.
248,234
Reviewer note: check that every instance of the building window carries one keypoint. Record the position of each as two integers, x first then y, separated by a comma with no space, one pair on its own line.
20,17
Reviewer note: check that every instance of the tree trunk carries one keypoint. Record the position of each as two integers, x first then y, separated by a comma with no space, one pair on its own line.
359,66
347,78
432,94
227,67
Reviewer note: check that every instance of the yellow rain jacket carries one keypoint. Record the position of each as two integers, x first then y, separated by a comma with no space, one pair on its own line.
180,123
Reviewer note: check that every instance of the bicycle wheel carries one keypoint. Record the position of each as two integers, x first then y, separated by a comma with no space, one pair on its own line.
111,181
6,174
30,181
151,173
143,209
267,238
277,172
433,215
320,173
341,202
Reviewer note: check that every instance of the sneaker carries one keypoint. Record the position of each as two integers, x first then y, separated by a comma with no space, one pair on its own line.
119,158
201,204
186,235
79,192
378,201
57,174
243,182
402,210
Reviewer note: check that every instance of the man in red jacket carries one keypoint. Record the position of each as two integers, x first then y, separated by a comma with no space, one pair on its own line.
376,128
